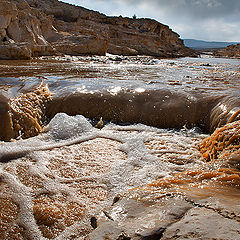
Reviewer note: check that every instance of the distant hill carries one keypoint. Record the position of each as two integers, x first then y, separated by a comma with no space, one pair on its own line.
199,44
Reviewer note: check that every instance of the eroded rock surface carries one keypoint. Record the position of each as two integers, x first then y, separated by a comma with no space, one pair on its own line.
52,27
202,205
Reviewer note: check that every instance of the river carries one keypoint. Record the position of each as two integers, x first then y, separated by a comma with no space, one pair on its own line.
71,180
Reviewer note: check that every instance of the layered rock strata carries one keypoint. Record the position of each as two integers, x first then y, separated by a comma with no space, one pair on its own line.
32,28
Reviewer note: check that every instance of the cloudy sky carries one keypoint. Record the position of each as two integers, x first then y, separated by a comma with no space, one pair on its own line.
212,20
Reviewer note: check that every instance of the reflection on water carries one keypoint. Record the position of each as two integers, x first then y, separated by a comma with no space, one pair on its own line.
52,184
85,74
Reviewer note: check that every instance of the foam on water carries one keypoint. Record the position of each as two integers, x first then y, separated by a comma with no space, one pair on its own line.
52,184
76,166
63,126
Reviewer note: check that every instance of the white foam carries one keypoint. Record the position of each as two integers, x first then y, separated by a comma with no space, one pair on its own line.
64,127
141,165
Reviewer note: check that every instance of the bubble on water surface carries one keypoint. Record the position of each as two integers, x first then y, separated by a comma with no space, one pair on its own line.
64,127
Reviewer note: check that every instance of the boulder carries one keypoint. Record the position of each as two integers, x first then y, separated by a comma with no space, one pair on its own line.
194,226
15,51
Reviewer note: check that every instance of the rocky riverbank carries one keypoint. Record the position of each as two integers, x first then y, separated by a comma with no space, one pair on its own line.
232,51
33,28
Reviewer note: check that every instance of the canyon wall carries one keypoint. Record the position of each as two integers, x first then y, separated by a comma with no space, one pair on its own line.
32,28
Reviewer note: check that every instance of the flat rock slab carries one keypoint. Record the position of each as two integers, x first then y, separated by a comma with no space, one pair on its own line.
203,223
139,220
170,218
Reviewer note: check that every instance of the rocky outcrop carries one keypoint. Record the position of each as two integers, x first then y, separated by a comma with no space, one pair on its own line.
173,208
15,51
232,51
81,45
24,30
53,27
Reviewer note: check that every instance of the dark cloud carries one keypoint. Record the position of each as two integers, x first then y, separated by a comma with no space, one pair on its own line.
195,8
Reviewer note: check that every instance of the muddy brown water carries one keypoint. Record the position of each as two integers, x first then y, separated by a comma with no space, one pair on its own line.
156,114
202,92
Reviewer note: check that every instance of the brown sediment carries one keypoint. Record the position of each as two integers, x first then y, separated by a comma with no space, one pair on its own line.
24,116
54,214
9,211
226,176
63,188
223,143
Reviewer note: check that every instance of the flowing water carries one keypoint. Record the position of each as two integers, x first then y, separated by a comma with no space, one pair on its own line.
156,114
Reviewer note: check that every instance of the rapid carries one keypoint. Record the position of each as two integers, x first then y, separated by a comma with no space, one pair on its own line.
168,143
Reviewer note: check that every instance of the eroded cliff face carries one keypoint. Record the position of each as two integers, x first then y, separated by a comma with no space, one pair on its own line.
232,51
24,30
32,28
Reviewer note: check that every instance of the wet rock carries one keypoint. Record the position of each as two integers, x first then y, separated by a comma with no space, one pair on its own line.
108,230
174,210
139,220
202,223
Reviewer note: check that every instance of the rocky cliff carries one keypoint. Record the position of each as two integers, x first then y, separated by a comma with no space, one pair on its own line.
32,28
232,51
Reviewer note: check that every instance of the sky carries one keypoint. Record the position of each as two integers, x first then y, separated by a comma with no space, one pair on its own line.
210,20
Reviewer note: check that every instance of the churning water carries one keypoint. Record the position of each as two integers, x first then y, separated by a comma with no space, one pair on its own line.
156,114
